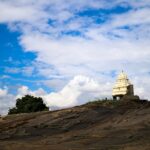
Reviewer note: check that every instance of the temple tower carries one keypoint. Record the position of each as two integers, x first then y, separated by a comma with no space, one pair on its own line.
122,87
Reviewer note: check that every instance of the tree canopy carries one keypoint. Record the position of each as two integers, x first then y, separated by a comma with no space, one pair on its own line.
28,104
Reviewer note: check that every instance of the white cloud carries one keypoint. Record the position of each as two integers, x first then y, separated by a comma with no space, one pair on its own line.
27,70
79,90
15,11
142,86
3,92
76,55
24,90
7,101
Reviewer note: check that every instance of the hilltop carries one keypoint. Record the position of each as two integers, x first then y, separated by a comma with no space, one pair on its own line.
99,125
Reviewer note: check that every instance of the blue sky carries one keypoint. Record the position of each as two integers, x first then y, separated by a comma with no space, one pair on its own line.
12,57
52,48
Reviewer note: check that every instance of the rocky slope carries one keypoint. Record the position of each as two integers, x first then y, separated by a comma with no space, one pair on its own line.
125,126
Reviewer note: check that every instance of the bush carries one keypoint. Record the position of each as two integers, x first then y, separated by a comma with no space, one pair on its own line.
28,104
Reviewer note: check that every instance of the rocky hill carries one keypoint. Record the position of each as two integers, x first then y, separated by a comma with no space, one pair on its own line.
123,125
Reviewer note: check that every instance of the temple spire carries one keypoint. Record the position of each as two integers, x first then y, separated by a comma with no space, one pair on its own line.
122,86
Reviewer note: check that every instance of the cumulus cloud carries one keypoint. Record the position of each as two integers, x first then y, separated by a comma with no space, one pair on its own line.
24,90
79,90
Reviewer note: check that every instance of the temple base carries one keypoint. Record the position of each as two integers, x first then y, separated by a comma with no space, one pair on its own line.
118,97
131,97
126,97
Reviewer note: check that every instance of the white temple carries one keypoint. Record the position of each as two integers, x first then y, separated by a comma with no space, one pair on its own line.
122,87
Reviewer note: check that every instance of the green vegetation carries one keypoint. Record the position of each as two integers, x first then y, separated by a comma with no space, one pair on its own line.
28,104
104,102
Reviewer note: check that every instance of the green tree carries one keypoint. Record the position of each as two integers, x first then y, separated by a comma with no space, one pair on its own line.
28,104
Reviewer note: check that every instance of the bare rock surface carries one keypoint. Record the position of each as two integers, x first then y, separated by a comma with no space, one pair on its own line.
87,127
